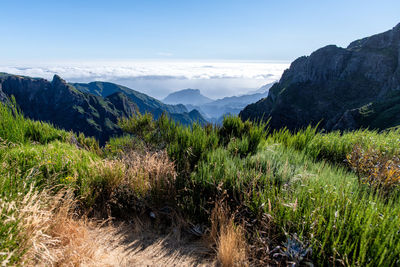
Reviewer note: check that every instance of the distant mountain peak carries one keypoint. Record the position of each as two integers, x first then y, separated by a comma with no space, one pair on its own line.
190,90
57,80
187,96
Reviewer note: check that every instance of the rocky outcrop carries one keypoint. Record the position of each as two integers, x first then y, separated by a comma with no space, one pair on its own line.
3,97
331,85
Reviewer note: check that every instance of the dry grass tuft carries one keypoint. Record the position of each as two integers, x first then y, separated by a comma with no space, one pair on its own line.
52,236
151,173
232,246
229,238
146,175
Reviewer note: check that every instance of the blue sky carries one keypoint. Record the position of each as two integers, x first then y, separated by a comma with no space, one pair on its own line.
194,30
222,47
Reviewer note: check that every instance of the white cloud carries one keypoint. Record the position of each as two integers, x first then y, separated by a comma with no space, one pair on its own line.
158,78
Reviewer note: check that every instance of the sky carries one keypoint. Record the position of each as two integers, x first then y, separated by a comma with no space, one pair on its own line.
45,35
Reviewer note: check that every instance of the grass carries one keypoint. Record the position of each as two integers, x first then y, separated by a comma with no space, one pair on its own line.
266,197
335,146
231,245
345,223
16,129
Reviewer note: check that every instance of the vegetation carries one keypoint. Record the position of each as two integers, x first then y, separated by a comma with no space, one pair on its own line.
265,197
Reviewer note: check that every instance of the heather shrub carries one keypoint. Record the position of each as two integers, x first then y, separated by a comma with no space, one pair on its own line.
376,169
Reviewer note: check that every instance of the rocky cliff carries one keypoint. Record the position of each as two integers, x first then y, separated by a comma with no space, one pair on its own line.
340,88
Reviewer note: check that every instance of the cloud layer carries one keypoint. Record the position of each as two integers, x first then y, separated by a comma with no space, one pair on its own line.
158,78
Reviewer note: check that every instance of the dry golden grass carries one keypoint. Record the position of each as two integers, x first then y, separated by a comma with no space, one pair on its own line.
150,173
232,246
229,238
146,174
52,236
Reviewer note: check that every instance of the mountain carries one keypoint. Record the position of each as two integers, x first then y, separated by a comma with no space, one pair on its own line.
216,109
65,106
143,101
187,97
342,88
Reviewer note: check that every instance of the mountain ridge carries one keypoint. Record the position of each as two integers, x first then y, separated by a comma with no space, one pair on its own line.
63,105
332,85
145,102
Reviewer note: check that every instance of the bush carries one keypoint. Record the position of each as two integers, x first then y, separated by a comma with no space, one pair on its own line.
234,127
46,165
16,129
335,146
376,169
140,125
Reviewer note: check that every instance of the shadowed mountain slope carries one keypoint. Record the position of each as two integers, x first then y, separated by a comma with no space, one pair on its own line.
342,88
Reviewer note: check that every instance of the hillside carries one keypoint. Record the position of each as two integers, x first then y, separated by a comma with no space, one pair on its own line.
144,102
94,113
175,195
340,88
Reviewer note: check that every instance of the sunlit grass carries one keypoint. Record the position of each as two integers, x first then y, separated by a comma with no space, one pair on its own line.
276,186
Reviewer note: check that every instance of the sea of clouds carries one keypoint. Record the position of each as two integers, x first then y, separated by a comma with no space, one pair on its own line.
159,78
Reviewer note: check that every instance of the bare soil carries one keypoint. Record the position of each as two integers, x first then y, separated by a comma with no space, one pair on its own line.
122,244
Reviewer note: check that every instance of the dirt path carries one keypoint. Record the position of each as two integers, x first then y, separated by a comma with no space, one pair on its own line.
129,245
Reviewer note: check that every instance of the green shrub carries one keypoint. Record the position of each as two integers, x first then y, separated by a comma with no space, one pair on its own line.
140,125
118,146
326,206
16,129
335,146
234,127
284,185
185,145
46,165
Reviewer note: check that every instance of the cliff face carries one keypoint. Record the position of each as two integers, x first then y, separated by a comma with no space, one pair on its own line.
334,86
